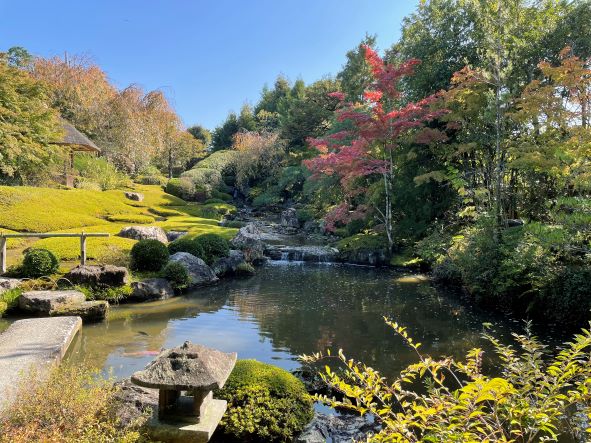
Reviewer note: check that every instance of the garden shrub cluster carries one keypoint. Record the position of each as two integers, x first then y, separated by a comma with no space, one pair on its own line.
39,263
265,403
149,255
97,173
214,247
73,405
186,244
9,299
176,273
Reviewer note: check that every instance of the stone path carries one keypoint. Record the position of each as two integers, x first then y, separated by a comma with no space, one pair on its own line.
35,342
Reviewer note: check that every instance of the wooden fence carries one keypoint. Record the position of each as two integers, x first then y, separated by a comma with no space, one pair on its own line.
82,236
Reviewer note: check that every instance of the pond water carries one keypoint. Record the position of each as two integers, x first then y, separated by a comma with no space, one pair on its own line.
288,309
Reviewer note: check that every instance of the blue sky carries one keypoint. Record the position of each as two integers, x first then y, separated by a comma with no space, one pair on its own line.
208,56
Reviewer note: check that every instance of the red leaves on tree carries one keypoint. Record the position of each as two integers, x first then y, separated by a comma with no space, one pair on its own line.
377,127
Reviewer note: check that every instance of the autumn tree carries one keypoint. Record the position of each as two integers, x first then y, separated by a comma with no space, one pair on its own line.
28,125
379,125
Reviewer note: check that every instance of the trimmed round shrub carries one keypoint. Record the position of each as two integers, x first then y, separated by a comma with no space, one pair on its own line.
265,403
181,187
149,255
39,262
176,274
213,246
185,244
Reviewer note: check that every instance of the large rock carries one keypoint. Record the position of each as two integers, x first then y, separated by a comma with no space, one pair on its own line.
63,303
135,196
151,289
98,276
144,233
135,404
365,257
175,235
199,272
249,240
90,311
289,219
7,284
43,303
317,254
337,428
229,264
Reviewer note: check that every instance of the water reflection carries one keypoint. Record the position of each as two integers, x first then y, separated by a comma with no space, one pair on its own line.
285,311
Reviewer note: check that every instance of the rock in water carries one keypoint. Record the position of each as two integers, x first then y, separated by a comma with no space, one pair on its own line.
99,276
151,289
63,303
44,302
229,264
135,196
144,233
337,428
289,219
249,240
199,272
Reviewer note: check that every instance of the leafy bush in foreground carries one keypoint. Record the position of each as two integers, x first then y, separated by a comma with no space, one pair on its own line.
149,255
213,246
73,405
186,244
265,403
532,399
39,262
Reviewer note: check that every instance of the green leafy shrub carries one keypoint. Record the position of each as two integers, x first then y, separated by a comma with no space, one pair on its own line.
269,198
224,196
176,274
149,255
304,215
208,212
39,262
204,179
111,294
100,171
363,242
181,187
131,218
213,246
185,244
265,403
533,396
234,224
245,269
73,404
9,299
151,180
213,200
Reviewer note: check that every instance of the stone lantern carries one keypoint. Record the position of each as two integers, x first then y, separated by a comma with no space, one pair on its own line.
185,377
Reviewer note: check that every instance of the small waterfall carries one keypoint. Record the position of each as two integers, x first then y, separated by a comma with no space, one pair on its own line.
284,256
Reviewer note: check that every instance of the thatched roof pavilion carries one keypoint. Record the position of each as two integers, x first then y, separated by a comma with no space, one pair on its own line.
74,141
77,141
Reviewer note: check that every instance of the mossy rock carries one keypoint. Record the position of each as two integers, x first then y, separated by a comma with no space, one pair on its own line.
265,403
365,248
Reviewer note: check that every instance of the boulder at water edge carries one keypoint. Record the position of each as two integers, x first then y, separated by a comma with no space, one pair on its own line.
229,264
249,240
144,233
63,303
199,272
289,219
98,276
151,289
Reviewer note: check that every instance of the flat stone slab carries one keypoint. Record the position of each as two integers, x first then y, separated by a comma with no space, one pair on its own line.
45,302
183,432
33,343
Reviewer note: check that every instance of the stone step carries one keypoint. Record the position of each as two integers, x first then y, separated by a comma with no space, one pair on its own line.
33,343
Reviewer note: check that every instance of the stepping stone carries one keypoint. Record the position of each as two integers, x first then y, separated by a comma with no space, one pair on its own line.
98,276
44,302
63,303
151,289
33,343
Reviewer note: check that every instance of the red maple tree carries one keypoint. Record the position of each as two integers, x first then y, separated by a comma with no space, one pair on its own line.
378,125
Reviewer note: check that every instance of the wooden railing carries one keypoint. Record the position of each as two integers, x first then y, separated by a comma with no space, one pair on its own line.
82,236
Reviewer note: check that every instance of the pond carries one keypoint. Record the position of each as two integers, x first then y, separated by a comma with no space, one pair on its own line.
288,309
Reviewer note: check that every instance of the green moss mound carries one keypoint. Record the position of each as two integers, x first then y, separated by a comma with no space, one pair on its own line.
363,242
213,246
131,218
39,262
149,255
265,403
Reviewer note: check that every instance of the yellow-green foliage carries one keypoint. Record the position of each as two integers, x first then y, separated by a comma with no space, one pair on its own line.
131,218
196,226
153,196
73,405
9,299
532,396
164,212
265,403
362,242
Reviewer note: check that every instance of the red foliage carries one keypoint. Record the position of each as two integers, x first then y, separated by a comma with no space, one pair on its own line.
377,129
